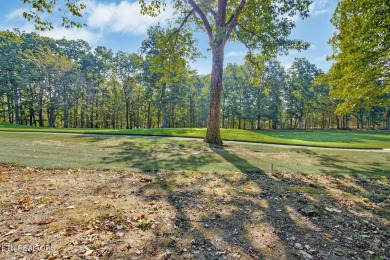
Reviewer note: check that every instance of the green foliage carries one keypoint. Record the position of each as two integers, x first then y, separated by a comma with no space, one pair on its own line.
73,7
262,26
169,52
144,223
300,94
359,78
61,83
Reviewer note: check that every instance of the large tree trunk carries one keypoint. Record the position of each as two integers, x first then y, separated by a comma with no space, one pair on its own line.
214,121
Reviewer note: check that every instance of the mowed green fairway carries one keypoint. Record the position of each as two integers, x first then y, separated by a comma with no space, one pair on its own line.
153,154
327,138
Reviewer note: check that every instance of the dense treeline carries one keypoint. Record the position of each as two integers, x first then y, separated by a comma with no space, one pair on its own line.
66,83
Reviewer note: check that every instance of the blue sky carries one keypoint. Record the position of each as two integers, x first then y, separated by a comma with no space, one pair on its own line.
117,24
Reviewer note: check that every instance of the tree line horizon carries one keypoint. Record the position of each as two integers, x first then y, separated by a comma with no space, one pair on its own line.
66,83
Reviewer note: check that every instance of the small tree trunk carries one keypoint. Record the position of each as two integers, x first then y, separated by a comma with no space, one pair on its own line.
10,110
214,120
66,117
164,107
192,112
127,114
258,122
149,124
388,118
4,114
164,115
16,106
300,122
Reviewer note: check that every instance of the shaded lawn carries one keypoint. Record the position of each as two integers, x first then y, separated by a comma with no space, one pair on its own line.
185,199
146,154
326,138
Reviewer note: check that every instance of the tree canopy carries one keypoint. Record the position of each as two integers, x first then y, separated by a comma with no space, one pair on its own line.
38,7
359,77
262,26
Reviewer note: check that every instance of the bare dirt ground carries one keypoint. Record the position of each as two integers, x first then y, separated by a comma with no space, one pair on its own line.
82,214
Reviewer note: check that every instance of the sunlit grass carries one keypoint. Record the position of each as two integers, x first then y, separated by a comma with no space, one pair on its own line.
151,154
327,138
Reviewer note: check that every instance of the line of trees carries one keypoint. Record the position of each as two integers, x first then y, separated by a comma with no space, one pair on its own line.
66,83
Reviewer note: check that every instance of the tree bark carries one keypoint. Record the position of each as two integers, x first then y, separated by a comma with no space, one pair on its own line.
164,107
214,119
164,115
127,114
300,122
258,122
10,110
149,123
16,106
388,118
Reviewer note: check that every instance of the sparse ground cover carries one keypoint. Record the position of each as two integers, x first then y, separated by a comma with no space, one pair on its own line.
321,138
137,198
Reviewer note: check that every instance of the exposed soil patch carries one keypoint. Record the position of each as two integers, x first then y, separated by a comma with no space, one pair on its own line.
85,214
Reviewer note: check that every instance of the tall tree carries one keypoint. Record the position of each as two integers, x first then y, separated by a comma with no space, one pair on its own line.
299,89
273,80
168,55
10,63
263,26
128,68
360,75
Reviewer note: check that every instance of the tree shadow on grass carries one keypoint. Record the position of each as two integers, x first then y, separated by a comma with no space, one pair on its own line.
261,217
155,155
262,222
286,214
342,165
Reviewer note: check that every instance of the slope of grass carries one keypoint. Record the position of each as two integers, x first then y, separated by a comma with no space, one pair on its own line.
329,138
146,154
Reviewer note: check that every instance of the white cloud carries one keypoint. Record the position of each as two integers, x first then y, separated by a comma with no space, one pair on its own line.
59,32
73,34
17,14
235,54
319,7
101,18
123,17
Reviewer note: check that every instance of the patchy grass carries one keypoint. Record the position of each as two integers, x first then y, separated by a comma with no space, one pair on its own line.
329,138
153,154
192,215
149,198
